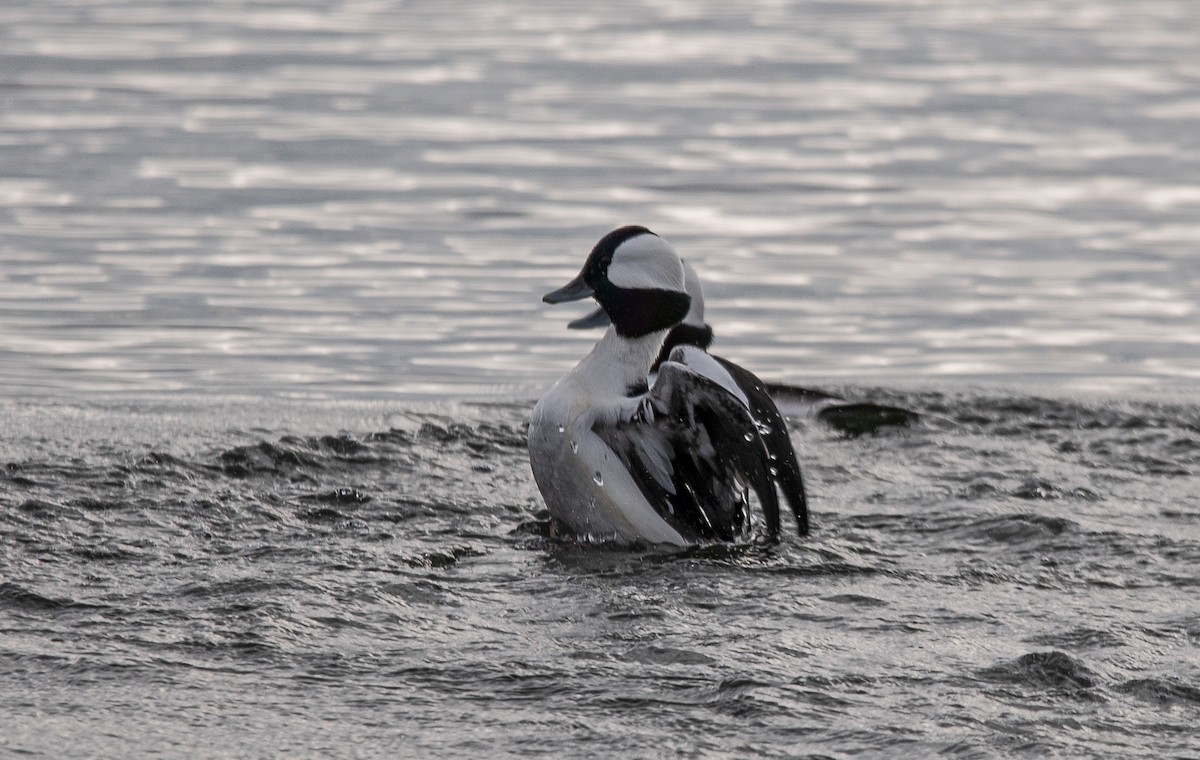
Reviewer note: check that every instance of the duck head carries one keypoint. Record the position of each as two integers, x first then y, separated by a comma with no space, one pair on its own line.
638,280
693,321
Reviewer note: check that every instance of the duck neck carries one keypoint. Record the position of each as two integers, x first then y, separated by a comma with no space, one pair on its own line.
620,363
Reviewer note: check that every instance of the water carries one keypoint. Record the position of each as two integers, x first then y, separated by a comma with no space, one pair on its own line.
270,331
366,582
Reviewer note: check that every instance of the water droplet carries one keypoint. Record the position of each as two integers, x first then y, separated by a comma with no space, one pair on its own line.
749,436
773,471
562,429
598,478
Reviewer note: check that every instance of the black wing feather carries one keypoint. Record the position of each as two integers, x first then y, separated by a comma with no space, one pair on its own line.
719,453
785,469
696,452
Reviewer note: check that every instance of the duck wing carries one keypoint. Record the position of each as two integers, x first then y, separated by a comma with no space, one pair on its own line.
784,469
696,451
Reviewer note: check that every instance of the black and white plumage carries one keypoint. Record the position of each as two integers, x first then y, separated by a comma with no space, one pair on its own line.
850,418
689,340
617,461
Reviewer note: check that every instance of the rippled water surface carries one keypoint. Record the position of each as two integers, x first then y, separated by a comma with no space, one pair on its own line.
270,330
368,197
1016,577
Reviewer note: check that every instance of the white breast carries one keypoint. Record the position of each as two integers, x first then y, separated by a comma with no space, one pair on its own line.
584,484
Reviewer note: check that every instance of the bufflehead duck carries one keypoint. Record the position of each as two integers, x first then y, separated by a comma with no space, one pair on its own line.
618,461
693,335
848,417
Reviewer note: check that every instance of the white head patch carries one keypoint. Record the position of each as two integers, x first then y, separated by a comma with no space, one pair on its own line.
646,262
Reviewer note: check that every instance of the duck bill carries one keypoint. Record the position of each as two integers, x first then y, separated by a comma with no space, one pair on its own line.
574,290
598,318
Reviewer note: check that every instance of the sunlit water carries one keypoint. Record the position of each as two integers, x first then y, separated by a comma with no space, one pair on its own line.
270,328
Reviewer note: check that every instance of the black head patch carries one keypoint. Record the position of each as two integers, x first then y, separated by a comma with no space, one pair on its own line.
641,311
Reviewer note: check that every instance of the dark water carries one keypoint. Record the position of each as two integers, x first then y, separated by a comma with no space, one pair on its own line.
270,332
1015,577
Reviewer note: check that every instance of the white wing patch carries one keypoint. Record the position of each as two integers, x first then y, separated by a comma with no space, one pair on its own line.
701,363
